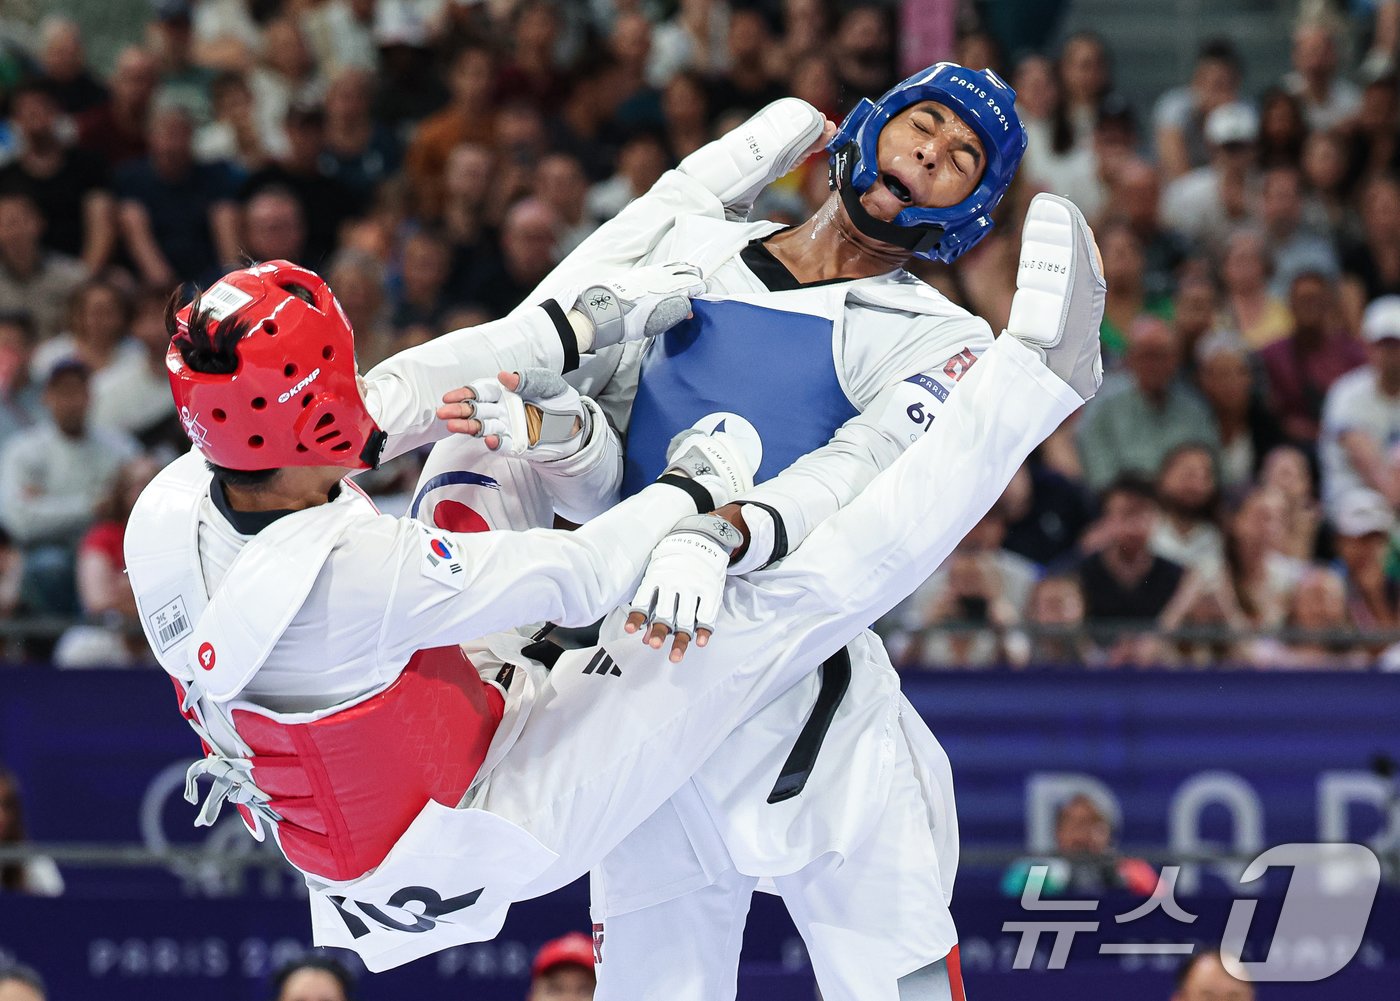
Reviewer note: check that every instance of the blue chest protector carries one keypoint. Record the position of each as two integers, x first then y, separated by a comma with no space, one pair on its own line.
772,367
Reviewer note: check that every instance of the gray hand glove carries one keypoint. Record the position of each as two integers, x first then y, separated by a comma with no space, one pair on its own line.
639,303
557,410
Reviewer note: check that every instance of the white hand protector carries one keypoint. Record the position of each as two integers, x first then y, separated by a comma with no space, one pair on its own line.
740,164
639,303
720,452
684,582
537,421
1060,292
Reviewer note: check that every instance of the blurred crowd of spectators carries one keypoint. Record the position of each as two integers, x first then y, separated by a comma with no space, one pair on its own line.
1230,496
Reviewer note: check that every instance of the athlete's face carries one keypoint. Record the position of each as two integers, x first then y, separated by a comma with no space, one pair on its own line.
928,157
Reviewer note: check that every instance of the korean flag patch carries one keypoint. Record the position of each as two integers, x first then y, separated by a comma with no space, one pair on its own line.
441,561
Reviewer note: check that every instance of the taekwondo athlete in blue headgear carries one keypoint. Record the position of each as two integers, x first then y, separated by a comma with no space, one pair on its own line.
840,358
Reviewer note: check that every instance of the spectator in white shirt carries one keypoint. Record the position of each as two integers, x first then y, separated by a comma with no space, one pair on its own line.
51,479
1361,416
1206,204
1328,99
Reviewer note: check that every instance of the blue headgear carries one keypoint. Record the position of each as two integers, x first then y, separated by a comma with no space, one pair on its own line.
978,97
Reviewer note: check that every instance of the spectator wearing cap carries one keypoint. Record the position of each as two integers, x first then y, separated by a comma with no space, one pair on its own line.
468,117
52,477
1131,429
563,970
1246,427
177,217
1203,977
1260,317
1329,99
1362,526
21,398
326,203
1206,204
21,983
182,80
1179,117
315,978
1294,244
63,65
116,129
1361,415
1372,264
33,278
1123,579
1300,369
286,77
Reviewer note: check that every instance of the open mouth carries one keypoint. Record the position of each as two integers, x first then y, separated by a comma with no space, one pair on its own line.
896,187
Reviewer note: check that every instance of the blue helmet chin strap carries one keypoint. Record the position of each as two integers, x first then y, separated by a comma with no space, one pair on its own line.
978,97
920,238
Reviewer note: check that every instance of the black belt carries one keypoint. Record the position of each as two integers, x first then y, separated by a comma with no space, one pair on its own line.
836,678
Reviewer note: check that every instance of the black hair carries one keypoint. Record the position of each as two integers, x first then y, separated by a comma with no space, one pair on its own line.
34,84
27,975
1221,50
325,964
23,321
1129,485
211,346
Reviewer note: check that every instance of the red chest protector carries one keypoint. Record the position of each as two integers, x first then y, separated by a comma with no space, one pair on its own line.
347,785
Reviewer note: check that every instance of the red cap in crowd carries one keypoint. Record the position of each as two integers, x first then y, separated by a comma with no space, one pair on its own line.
574,949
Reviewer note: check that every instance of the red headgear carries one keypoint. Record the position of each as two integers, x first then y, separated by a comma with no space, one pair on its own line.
294,399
